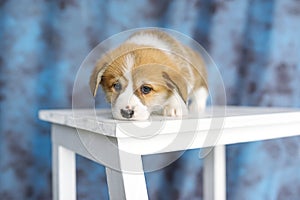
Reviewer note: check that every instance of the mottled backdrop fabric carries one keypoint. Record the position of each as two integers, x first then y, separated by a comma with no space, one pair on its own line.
254,43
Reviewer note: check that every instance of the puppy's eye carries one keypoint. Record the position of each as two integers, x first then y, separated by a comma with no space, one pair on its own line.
117,86
146,89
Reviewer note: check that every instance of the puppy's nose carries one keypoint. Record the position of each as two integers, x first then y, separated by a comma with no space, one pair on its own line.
127,113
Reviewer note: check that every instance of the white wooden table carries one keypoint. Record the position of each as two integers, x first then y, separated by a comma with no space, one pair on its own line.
120,145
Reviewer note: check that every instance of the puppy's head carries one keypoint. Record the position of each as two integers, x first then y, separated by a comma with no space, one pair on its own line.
137,83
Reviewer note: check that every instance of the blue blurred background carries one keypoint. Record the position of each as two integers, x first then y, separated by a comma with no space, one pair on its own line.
255,44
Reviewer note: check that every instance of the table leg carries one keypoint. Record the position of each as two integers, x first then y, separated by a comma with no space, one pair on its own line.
128,182
215,174
64,173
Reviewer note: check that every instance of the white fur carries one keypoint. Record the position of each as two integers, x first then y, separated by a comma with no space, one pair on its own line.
129,62
198,100
149,40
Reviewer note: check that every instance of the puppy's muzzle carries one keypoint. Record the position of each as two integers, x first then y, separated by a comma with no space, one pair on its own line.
127,113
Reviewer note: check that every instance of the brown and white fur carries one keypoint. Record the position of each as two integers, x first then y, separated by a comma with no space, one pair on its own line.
151,72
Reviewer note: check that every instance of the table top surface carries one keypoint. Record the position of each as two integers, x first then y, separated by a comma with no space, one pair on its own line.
214,118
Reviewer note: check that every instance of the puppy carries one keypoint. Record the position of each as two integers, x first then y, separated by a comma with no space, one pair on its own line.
151,72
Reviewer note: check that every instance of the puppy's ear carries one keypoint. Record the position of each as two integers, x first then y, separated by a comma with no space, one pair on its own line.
96,76
176,83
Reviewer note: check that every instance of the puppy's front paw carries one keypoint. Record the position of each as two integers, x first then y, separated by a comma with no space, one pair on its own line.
174,112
